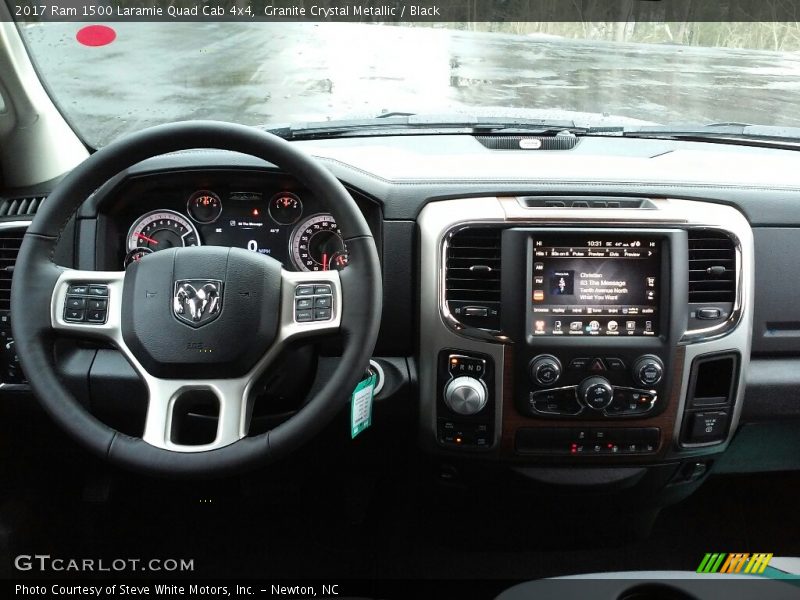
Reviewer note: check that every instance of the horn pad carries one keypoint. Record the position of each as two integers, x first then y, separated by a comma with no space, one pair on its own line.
201,312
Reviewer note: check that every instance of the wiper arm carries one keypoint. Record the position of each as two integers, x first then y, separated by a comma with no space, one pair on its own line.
391,123
718,131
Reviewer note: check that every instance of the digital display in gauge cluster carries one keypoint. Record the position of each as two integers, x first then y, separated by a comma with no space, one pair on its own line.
281,225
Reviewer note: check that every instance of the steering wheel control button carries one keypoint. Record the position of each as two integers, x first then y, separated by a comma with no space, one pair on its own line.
97,304
648,371
545,370
304,316
74,315
76,302
313,302
465,395
596,392
304,303
560,401
98,290
86,303
96,316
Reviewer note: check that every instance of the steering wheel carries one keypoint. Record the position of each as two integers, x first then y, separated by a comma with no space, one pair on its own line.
202,319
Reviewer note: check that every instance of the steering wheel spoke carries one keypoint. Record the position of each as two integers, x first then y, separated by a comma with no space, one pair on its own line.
88,303
170,401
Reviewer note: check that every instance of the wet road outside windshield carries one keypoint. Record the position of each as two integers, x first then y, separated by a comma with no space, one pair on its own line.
278,73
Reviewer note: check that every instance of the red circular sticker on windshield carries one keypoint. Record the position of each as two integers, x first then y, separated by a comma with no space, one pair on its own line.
96,35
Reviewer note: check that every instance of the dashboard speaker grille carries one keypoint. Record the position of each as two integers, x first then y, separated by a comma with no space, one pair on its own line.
10,241
712,267
528,142
472,276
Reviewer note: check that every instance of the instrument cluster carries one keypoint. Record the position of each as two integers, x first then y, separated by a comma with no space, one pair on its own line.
289,225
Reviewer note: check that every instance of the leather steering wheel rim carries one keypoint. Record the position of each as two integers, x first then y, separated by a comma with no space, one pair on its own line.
36,275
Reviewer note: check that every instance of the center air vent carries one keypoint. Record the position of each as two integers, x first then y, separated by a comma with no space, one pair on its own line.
472,278
15,207
10,240
712,267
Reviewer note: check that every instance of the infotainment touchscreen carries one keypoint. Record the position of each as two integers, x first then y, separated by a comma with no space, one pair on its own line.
590,285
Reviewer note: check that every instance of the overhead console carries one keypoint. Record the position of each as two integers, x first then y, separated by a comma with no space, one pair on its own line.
575,329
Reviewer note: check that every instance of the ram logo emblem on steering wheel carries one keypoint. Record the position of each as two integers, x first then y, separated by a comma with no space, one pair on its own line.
197,301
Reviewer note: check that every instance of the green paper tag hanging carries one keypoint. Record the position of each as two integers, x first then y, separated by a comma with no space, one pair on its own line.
361,406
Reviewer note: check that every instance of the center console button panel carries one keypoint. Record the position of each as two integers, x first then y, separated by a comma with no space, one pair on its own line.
587,441
601,387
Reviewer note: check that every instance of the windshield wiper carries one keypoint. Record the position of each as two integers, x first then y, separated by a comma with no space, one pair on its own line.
394,123
731,133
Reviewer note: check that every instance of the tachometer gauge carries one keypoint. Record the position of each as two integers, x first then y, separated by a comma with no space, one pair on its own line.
162,229
204,206
285,208
317,245
136,255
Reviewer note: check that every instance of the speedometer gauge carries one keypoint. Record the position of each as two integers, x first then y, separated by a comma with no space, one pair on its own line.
162,229
317,245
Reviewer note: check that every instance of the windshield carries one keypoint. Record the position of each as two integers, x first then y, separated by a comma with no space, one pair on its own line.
143,74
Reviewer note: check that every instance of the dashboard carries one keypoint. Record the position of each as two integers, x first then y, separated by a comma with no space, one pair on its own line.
614,304
263,213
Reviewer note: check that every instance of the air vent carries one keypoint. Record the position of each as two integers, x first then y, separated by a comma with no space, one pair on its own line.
10,240
25,205
472,278
712,267
528,142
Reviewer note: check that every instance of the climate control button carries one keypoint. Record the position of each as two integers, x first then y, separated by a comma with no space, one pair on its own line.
648,371
596,392
545,369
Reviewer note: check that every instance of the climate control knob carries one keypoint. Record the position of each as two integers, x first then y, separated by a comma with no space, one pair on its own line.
648,371
596,392
545,369
465,395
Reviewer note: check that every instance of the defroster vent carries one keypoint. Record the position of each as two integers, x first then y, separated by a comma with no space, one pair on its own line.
472,277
